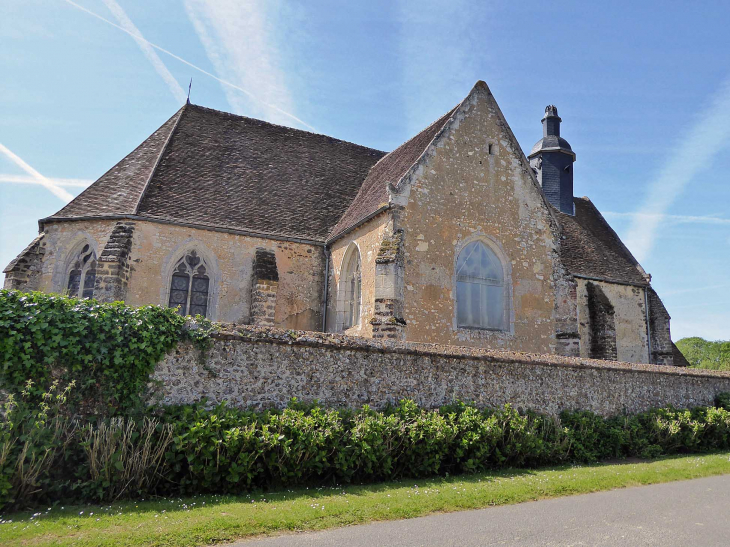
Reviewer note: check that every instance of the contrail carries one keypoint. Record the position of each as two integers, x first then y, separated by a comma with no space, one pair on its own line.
148,51
26,179
220,24
691,155
191,65
679,219
55,189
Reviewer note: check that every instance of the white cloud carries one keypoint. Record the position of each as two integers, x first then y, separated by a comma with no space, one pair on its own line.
438,52
54,188
148,51
227,83
240,42
692,153
27,179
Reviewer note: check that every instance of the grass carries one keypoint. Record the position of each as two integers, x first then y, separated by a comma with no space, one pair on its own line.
205,520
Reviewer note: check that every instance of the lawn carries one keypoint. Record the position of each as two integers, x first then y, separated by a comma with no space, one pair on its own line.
205,520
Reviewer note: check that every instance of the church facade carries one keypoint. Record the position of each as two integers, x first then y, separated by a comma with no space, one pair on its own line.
455,237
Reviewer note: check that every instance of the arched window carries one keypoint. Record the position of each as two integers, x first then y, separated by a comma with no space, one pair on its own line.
82,273
189,286
480,295
351,286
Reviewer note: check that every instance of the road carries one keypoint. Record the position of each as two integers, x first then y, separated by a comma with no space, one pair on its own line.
681,513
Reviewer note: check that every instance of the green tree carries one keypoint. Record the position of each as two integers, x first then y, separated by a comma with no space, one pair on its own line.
702,353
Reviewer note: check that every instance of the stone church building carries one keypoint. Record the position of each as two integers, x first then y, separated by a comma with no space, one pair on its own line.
455,237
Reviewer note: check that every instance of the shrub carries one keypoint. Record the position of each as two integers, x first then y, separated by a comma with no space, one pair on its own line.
191,449
110,350
123,457
33,438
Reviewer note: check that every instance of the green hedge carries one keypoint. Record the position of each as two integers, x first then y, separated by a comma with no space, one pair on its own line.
191,450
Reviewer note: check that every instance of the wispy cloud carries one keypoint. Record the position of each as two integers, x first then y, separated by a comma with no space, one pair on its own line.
437,51
147,49
240,42
677,292
54,188
678,219
257,98
692,153
27,179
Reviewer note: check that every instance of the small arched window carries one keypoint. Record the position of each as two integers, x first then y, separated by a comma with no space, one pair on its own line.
480,301
82,274
189,286
351,284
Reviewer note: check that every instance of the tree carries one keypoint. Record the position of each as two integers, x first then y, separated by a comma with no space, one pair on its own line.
702,353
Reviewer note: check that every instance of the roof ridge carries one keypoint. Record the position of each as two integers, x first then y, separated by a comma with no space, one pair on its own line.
264,122
163,148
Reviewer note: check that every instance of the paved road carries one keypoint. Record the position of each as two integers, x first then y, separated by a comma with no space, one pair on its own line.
683,513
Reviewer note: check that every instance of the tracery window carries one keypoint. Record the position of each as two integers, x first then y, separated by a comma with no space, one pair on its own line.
190,285
82,274
351,283
480,294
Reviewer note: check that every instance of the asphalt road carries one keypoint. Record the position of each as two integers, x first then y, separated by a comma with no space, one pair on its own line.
682,513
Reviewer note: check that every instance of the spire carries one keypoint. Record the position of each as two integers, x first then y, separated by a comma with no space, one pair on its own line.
551,121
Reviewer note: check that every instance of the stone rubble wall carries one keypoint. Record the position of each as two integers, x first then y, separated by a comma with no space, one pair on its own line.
266,367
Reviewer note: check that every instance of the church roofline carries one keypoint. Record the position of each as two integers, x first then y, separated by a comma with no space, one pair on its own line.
199,226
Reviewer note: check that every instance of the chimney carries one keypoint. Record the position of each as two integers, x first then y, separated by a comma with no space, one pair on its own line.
552,160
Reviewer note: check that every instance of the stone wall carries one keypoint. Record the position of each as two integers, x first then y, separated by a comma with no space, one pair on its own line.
264,367
473,184
629,321
367,238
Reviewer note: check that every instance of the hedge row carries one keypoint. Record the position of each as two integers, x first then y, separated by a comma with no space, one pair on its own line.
46,457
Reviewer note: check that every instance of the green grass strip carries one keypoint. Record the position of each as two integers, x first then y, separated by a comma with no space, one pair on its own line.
205,520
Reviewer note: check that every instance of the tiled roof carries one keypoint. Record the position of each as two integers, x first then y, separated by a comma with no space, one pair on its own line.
390,169
591,248
118,191
219,170
679,359
225,171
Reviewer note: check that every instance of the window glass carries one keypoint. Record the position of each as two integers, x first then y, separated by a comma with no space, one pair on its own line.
189,286
82,274
479,288
352,286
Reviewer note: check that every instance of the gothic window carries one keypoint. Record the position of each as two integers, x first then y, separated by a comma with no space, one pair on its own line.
480,291
189,286
351,283
82,274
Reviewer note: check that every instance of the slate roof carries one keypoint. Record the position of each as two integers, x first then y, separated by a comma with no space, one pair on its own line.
219,170
390,169
591,248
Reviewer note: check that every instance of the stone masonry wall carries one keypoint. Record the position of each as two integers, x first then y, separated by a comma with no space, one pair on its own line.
264,367
474,184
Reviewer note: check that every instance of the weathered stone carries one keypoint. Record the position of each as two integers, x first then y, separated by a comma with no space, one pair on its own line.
262,367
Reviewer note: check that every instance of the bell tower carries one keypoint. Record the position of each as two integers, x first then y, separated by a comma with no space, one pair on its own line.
552,160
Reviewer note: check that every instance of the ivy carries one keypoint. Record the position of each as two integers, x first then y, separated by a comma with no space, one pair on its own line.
110,350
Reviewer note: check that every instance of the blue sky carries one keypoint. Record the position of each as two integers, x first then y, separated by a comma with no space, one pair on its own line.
643,89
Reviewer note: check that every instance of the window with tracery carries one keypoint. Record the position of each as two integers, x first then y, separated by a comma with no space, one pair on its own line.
351,282
82,274
480,294
189,286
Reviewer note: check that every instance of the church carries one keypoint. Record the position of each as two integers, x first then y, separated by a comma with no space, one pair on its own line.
454,238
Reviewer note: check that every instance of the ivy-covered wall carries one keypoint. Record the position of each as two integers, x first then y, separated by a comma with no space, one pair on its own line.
261,367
